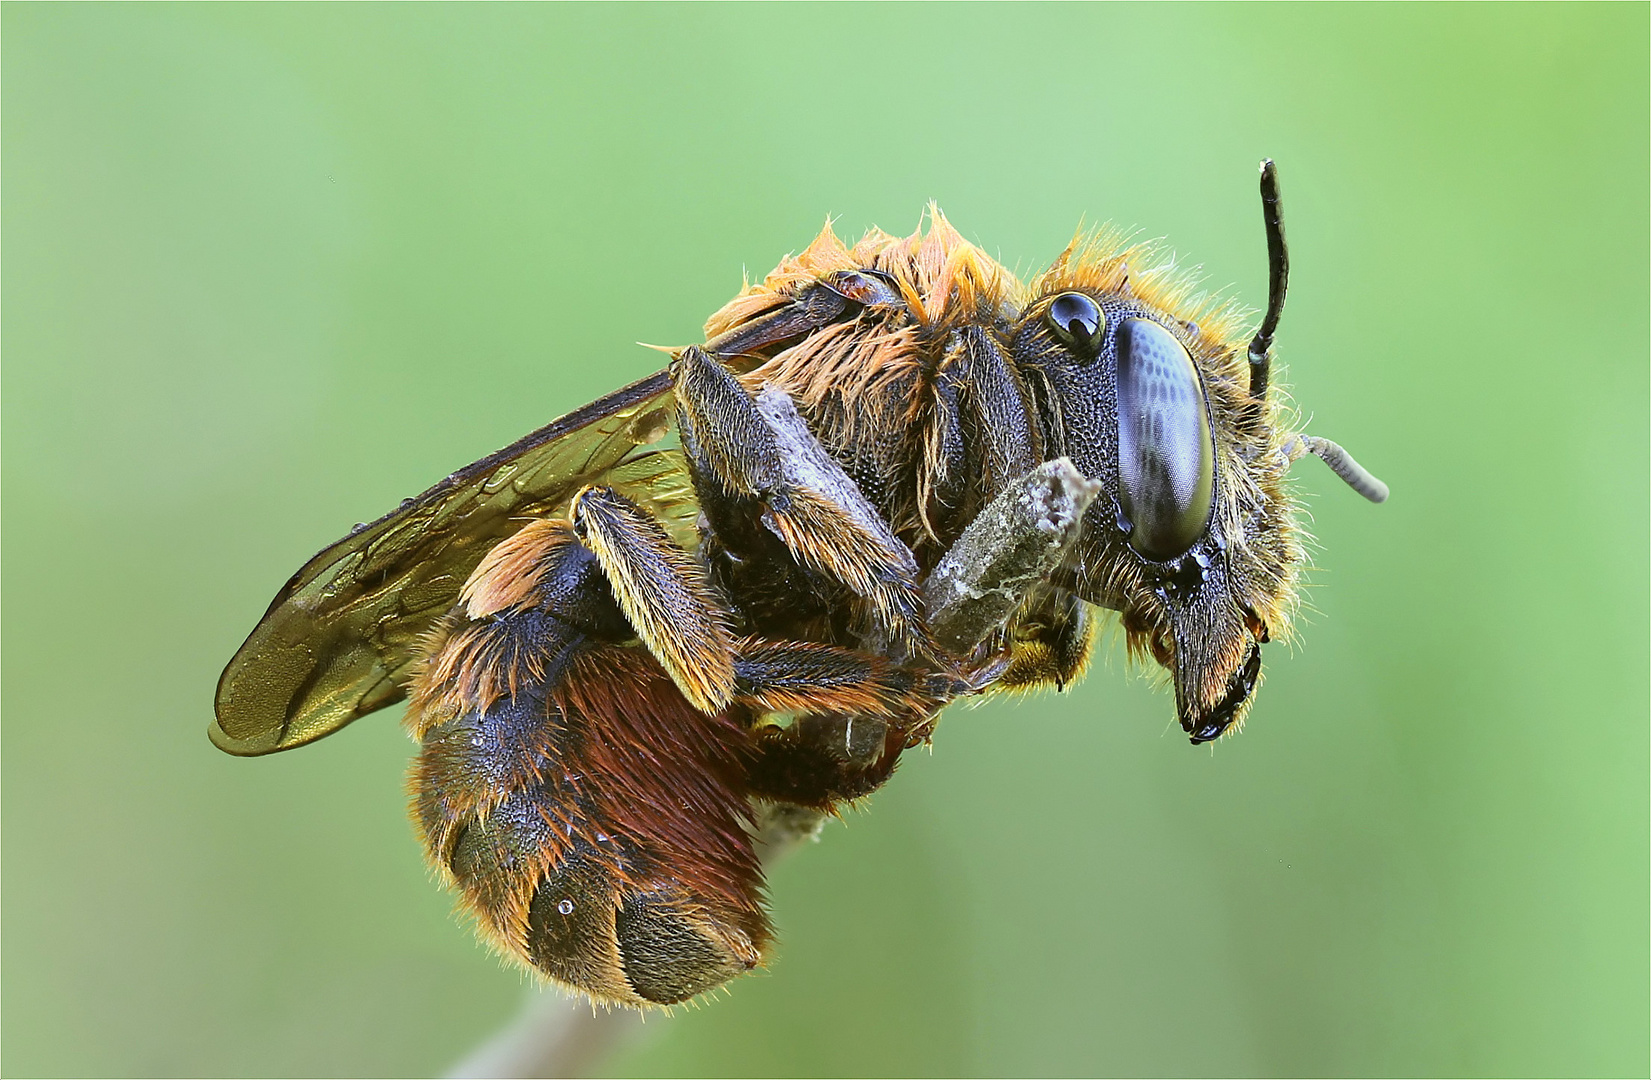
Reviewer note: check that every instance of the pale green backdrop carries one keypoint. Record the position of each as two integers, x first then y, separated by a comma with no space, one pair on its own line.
267,270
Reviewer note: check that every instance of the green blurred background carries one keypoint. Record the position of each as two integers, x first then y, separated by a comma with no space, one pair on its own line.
270,269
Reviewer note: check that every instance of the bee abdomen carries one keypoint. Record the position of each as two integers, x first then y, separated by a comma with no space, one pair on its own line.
671,953
654,948
592,821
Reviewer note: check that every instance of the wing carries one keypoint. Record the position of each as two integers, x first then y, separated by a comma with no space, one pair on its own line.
338,639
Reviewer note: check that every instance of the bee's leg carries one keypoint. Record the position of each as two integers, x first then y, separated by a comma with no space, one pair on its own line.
551,787
999,431
663,592
823,759
757,459
848,701
853,716
804,676
1048,640
981,433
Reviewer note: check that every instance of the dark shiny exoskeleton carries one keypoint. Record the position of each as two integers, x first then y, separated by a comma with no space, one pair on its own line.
637,665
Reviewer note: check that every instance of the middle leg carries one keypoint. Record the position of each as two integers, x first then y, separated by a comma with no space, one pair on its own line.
763,477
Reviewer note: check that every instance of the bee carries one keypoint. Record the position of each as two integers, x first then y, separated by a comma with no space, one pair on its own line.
650,642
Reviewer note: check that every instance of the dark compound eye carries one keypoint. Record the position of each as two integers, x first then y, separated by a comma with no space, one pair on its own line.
1166,467
1078,322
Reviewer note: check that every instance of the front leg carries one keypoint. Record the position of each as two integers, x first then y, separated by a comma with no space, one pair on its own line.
1048,641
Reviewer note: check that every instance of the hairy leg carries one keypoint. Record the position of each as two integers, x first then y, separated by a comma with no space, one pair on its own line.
760,473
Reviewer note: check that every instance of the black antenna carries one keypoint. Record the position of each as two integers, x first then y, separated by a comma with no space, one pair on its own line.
1278,280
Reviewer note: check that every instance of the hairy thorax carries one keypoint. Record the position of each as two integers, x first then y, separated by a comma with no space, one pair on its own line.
882,391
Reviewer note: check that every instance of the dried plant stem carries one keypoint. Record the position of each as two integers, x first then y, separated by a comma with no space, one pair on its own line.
1009,548
554,1035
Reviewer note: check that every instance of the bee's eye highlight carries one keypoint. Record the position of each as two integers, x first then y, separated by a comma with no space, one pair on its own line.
1078,322
1166,468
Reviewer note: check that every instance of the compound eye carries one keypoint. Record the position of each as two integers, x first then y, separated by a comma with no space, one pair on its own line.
1078,322
1166,468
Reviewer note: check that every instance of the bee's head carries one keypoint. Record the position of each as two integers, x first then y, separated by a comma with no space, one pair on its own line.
1194,540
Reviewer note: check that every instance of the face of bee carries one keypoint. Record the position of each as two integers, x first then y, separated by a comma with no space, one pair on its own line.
1192,540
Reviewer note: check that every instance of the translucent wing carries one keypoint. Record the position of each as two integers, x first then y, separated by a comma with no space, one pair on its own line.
337,641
